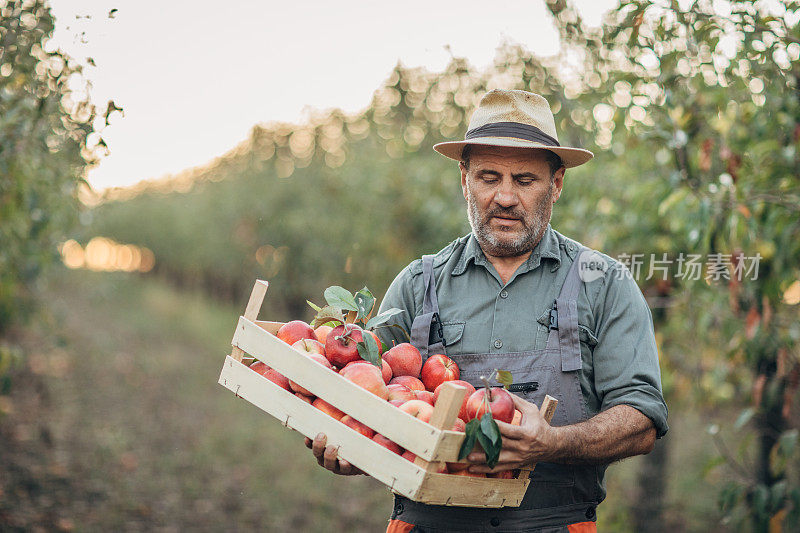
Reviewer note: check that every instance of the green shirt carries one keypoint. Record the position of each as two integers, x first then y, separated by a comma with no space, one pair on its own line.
481,315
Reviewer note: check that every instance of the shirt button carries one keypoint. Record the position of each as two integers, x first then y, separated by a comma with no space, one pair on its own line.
498,344
504,294
495,521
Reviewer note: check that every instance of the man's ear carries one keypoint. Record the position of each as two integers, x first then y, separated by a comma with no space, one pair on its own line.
558,183
463,170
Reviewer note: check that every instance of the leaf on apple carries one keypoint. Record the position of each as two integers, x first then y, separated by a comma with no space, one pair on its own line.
398,326
504,378
490,429
365,301
383,317
327,315
471,430
368,350
340,298
490,439
314,306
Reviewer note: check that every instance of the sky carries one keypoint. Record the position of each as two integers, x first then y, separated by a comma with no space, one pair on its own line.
194,77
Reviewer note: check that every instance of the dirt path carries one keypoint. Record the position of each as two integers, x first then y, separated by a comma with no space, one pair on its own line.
119,425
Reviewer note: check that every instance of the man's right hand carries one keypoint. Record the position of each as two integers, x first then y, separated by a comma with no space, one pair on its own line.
327,457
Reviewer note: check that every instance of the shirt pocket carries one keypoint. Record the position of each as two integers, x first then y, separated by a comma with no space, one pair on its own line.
585,335
453,331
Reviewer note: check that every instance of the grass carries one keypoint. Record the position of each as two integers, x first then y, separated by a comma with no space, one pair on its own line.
151,442
144,422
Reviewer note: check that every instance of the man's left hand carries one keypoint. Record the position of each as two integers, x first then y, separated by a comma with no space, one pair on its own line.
528,443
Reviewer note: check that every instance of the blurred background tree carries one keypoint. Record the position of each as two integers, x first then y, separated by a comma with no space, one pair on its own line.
46,129
712,91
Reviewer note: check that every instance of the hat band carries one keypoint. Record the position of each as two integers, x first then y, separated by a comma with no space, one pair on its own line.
512,129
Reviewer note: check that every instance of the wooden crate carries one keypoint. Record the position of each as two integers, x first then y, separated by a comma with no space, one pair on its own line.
429,441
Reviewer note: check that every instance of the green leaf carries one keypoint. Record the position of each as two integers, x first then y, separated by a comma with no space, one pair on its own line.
326,315
368,350
314,306
492,450
340,298
504,378
365,301
490,429
471,431
383,317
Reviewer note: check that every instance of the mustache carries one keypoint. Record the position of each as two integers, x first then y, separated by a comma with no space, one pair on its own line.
505,212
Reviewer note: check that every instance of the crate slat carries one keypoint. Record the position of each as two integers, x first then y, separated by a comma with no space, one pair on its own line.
410,433
442,489
400,474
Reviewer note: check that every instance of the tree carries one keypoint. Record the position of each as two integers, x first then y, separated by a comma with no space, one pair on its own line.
714,89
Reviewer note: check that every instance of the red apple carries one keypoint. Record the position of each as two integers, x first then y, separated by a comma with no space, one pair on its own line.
321,333
327,408
308,346
377,341
459,425
500,403
441,468
438,369
457,467
271,374
319,358
293,331
259,367
367,376
340,345
424,395
404,359
462,414
386,370
397,403
386,443
409,381
418,409
400,392
351,422
505,474
307,399
467,473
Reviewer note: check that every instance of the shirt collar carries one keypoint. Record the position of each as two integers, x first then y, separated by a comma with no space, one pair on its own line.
546,248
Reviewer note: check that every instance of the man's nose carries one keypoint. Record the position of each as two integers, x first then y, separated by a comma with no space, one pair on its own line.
506,196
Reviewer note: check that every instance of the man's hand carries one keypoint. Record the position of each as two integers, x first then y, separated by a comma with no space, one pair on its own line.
530,442
327,457
618,432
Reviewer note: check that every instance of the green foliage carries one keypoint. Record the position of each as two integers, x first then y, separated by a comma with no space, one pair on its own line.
712,92
44,129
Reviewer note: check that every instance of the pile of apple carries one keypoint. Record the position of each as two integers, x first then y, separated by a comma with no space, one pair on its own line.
402,380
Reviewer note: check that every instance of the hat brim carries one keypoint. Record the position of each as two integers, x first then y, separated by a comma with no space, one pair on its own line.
571,157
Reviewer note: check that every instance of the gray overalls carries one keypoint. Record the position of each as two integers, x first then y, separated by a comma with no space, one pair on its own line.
558,494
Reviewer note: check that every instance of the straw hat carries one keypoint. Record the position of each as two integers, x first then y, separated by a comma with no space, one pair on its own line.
518,119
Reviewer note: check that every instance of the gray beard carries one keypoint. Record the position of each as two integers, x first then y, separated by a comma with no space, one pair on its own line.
533,228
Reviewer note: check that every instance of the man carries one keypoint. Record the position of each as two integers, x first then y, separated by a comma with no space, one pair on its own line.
516,295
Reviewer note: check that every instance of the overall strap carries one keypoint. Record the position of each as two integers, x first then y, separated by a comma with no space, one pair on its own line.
421,327
563,335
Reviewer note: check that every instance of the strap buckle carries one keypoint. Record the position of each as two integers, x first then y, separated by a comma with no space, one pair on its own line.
437,330
554,316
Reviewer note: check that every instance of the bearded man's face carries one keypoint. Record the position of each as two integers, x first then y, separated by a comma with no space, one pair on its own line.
510,194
